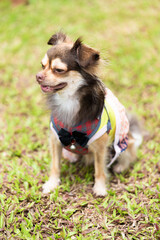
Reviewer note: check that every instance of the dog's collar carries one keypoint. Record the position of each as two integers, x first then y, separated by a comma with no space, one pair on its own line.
75,139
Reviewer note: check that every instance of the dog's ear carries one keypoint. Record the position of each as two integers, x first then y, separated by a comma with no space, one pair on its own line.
57,38
86,56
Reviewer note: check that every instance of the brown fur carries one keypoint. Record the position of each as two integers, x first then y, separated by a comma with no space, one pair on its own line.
58,38
87,57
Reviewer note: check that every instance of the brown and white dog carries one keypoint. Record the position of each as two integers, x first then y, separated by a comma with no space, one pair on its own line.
76,95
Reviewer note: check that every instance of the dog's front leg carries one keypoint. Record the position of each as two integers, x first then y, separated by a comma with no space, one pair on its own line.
100,175
56,152
100,155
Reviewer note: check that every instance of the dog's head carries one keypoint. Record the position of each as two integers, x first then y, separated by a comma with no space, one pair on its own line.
64,62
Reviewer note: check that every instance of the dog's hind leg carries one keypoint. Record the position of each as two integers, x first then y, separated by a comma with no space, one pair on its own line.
126,158
135,138
56,152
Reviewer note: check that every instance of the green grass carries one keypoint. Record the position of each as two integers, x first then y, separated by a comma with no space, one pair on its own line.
127,34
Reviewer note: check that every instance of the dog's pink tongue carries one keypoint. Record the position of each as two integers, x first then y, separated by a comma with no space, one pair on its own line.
53,88
46,88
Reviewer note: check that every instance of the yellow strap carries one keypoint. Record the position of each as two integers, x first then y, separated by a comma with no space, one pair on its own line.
104,120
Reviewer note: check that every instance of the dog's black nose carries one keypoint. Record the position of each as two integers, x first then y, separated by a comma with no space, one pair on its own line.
39,77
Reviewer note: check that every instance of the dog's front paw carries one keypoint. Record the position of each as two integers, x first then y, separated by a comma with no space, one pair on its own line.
99,188
51,184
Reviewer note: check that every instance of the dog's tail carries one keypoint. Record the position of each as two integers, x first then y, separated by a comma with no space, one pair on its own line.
135,130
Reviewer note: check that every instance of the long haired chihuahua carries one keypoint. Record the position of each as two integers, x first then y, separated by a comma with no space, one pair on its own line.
86,118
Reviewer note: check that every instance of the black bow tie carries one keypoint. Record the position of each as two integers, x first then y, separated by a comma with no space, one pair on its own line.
66,138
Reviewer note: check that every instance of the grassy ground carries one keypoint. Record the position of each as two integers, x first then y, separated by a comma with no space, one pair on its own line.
128,35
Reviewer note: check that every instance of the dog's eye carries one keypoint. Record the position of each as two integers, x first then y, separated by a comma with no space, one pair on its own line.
43,66
58,70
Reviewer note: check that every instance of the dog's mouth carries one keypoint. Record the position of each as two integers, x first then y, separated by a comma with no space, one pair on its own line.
47,88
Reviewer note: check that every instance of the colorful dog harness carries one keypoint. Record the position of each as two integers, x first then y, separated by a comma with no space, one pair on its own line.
113,120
